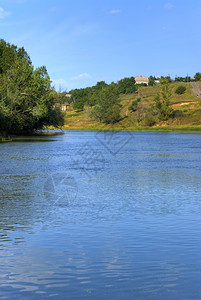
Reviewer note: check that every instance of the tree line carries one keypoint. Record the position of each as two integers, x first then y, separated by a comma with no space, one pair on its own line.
28,102
104,99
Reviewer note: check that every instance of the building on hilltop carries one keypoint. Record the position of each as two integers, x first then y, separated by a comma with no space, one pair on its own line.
141,80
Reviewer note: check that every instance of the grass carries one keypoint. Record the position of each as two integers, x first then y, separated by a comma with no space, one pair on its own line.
188,103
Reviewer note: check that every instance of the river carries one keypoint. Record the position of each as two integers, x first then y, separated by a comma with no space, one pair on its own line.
101,215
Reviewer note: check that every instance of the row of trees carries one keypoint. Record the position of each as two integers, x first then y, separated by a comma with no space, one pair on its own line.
103,98
153,80
26,96
90,95
27,100
105,102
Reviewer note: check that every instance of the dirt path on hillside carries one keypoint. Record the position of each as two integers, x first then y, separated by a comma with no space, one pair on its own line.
183,103
196,89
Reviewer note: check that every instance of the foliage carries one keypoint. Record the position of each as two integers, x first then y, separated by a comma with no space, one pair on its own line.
91,101
99,85
149,120
180,90
134,104
177,113
26,96
197,76
151,80
183,79
162,102
88,96
79,104
127,86
107,108
165,80
8,55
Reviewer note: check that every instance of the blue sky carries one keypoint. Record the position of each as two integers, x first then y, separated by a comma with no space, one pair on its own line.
84,41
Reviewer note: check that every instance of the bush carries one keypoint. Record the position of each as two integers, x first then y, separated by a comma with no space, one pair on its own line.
177,113
149,120
180,90
134,104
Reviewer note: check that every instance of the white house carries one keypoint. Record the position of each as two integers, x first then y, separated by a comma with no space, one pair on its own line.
141,79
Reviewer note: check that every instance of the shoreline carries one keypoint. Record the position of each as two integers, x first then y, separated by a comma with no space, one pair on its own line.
136,129
49,130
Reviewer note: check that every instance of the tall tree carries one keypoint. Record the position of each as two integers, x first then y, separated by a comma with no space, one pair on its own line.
151,80
26,97
107,108
197,76
127,85
162,102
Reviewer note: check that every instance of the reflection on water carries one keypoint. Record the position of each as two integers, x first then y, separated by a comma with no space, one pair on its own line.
75,228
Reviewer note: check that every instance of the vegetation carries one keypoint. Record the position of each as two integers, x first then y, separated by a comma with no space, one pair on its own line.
107,108
26,97
197,76
28,102
184,111
151,80
127,86
180,90
134,104
183,79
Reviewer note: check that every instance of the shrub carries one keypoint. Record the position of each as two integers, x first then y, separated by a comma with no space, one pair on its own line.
177,113
134,104
149,120
180,90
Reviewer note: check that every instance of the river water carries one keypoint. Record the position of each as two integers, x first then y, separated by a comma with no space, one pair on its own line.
101,215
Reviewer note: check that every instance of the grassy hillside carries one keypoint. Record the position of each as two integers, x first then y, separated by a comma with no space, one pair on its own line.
189,116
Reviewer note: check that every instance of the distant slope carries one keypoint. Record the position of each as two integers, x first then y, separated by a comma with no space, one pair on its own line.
187,105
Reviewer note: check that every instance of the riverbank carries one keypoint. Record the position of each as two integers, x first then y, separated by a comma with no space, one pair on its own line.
139,128
186,113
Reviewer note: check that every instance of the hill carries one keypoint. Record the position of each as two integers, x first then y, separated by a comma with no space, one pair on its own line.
186,112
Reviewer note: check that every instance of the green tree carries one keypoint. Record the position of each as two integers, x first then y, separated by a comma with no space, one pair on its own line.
99,85
79,104
151,80
165,80
180,79
26,97
162,102
107,108
197,76
127,86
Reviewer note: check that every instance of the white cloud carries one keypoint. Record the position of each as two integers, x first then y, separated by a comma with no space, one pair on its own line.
168,5
82,76
115,11
4,13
